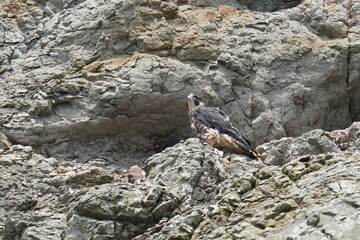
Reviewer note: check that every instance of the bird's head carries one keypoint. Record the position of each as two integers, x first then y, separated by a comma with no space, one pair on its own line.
194,101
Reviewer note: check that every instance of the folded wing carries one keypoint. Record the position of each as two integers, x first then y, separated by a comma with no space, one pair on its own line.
217,119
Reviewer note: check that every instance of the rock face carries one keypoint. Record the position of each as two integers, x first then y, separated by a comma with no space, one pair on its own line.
89,88
115,74
191,191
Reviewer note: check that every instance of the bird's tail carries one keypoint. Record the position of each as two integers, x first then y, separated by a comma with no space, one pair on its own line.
254,155
249,151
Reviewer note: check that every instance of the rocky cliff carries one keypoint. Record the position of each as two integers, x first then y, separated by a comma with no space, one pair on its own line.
89,88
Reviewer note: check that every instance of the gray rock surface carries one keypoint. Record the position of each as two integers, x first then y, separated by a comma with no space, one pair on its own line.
115,74
4,142
190,169
124,211
354,58
89,88
315,142
191,191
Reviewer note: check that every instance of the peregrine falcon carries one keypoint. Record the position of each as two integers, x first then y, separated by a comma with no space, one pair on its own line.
214,127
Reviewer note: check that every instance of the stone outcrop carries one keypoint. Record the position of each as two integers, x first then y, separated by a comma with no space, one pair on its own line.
191,191
99,73
90,88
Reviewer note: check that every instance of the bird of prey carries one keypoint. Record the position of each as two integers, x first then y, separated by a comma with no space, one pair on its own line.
214,127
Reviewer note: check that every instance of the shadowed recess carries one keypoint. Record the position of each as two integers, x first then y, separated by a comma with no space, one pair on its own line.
255,5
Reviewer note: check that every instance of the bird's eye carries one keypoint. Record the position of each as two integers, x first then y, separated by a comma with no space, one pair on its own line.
197,100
